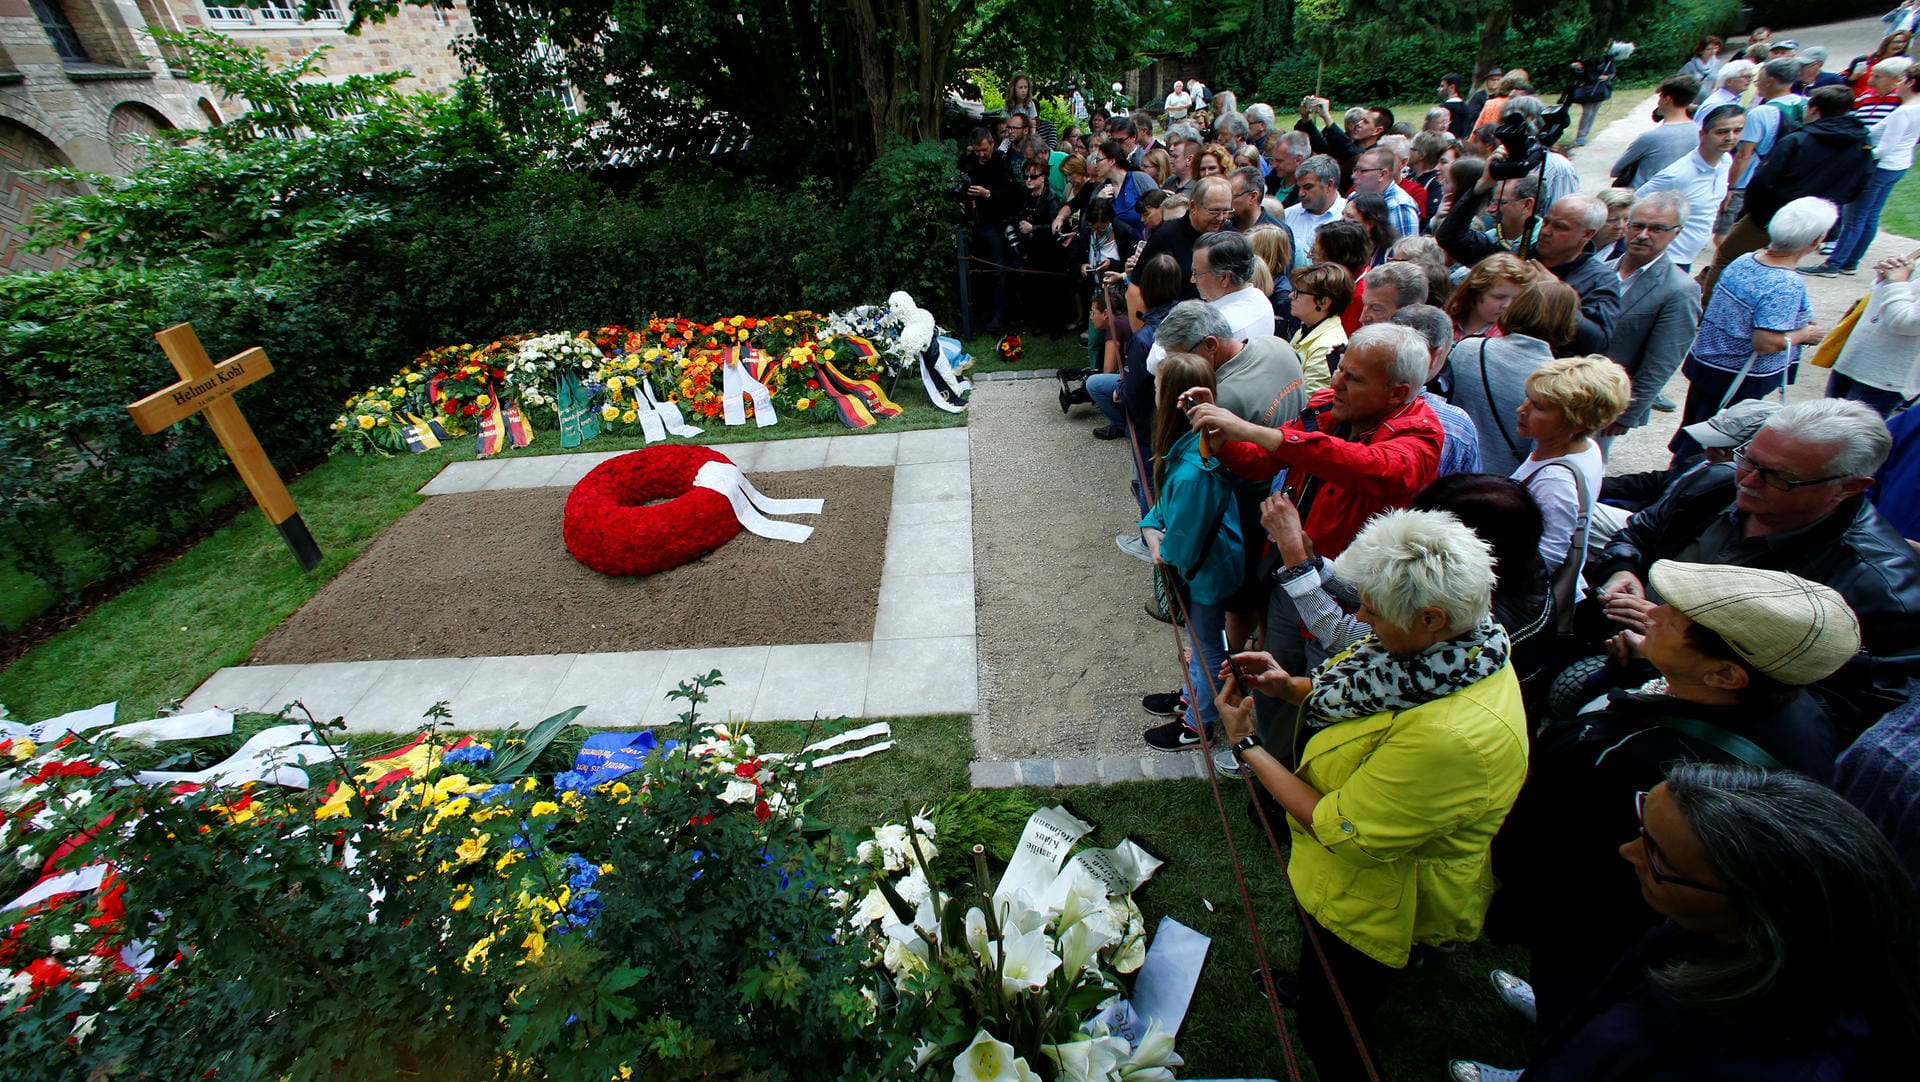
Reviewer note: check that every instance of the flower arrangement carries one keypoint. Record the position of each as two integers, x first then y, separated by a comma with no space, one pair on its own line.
537,363
373,419
1009,349
610,525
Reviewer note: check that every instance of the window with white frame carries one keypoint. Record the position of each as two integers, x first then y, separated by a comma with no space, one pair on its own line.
279,11
217,14
274,14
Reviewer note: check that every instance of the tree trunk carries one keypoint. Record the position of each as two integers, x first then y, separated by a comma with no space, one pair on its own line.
1493,33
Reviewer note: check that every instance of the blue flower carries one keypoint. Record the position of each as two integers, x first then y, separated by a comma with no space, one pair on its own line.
496,792
472,753
572,781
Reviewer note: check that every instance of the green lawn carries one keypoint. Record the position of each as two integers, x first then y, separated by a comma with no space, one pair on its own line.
157,641
1902,212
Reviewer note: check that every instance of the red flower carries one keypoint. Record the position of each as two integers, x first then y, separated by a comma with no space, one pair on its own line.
46,973
499,373
762,811
750,323
469,409
746,768
813,385
56,768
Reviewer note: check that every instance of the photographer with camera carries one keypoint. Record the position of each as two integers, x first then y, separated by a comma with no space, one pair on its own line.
991,193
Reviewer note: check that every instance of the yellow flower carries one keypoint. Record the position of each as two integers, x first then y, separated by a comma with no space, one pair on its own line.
483,400
609,413
477,952
571,799
366,421
24,749
606,869
536,946
506,860
471,849
382,422
544,807
826,355
528,785
336,805
629,417
462,899
743,336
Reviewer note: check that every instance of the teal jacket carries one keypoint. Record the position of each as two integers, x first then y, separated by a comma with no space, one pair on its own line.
1196,503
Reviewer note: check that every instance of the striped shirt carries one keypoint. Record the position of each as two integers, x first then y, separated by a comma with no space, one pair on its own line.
1880,775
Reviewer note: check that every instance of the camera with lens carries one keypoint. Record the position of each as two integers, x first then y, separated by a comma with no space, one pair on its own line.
1526,146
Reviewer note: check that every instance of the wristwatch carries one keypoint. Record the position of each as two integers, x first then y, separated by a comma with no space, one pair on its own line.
1251,740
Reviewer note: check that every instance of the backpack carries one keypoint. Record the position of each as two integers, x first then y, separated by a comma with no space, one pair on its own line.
1793,117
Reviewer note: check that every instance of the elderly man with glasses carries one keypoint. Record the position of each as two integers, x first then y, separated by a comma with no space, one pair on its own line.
1732,649
1659,305
1793,499
1212,207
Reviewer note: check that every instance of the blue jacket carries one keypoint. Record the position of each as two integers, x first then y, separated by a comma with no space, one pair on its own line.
1196,512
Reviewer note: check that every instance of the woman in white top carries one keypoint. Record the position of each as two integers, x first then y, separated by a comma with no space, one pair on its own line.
1567,402
1179,103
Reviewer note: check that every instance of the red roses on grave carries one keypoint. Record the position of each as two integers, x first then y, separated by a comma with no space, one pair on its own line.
610,526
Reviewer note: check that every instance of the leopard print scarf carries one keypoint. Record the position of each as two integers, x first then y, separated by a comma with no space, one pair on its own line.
1367,679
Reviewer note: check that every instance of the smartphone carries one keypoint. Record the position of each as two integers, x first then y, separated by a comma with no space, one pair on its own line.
1239,678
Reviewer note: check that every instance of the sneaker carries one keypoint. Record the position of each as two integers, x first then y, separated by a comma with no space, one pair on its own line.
1135,546
1515,993
1821,270
1664,404
1849,271
1466,1070
1173,737
1109,432
1165,704
1827,247
1227,764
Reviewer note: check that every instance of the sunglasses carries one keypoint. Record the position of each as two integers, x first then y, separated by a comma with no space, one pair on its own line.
1660,875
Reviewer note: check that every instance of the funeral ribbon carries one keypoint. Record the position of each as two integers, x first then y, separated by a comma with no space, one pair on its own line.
738,383
657,418
752,508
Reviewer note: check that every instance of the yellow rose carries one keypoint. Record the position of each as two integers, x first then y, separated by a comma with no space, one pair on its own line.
803,404
543,807
629,417
609,413
826,355
382,422
366,421
24,749
483,401
462,899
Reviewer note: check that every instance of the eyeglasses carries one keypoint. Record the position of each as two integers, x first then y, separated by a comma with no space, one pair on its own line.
1653,856
1773,478
1213,212
1243,192
1635,227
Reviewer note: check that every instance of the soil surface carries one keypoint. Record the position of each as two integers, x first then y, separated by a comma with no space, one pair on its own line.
486,573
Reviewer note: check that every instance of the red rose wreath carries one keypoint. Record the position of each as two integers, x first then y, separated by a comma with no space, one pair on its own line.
610,526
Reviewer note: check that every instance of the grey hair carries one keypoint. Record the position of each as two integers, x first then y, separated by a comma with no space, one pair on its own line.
1800,223
1439,112
1816,53
1527,106
1407,280
1410,358
1858,433
1784,70
1665,200
1188,324
1377,158
1184,132
1404,561
1250,176
1417,248
1734,69
1259,112
1229,255
1232,123
1224,102
1321,166
1894,67
1592,213
1430,323
1297,143
1616,198
1823,901
1358,112
1207,184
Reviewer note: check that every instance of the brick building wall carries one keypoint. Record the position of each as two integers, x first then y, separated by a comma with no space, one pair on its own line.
71,94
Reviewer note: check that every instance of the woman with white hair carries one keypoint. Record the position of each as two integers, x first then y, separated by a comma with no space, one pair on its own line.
1760,311
1179,102
1416,747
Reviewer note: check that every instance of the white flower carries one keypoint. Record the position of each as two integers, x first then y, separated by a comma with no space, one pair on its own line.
1030,961
873,907
977,938
1082,942
83,1026
1090,1059
913,889
59,943
17,985
1150,1060
904,957
923,1053
738,792
27,857
924,826
988,1060
1132,951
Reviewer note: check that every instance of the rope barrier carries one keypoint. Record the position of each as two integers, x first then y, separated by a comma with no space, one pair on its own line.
1260,813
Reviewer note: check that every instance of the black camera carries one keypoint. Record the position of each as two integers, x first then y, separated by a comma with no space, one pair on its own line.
1526,147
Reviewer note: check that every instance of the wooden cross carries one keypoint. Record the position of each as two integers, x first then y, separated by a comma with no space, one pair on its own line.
207,389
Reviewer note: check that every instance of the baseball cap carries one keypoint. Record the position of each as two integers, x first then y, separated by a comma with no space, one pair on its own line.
1789,45
1791,629
1734,425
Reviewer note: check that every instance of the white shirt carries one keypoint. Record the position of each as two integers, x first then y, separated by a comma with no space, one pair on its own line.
1894,136
1248,312
1722,96
1704,186
1177,105
1558,179
1304,224
1559,499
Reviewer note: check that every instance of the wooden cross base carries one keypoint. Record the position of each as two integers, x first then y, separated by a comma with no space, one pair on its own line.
207,389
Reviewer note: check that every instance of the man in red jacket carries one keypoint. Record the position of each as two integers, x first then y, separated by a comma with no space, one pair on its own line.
1363,446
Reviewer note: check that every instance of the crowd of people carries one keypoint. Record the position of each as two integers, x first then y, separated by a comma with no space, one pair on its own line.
1368,371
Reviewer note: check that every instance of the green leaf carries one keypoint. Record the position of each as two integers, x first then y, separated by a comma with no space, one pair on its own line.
509,765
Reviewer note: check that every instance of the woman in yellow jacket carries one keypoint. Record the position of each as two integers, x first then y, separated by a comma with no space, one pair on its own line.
1416,746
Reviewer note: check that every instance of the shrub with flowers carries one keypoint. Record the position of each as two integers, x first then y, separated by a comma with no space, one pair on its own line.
536,364
433,913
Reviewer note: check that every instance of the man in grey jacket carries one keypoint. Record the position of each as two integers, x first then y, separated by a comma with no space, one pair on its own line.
1564,251
1659,305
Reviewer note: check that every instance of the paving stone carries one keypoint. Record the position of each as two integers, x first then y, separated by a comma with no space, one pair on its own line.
994,774
747,456
617,689
331,688
243,687
877,449
512,691
934,445
931,482
1115,769
936,548
398,700
924,606
782,456
800,682
919,514
1077,771
1037,772
740,666
533,472
922,676
462,477
1173,767
578,465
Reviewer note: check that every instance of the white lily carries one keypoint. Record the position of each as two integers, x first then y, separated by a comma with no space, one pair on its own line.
1030,961
989,1060
1088,1059
1081,944
977,938
1152,1058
